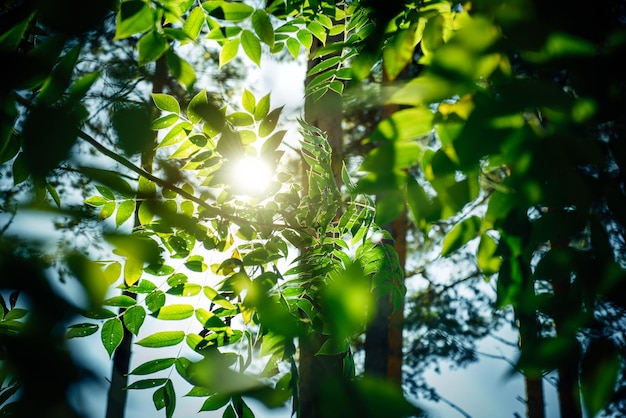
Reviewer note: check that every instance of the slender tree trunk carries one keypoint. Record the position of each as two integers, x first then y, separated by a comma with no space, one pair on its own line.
568,386
383,338
325,114
528,342
117,397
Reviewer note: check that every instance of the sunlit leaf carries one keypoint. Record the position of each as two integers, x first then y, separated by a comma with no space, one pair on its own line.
460,235
134,16
228,51
194,23
120,300
175,312
162,339
133,318
124,211
269,122
294,46
225,10
251,46
263,27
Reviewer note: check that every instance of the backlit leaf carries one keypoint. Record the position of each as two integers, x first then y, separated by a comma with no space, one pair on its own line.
263,27
175,312
460,235
194,23
162,339
124,211
120,300
225,10
229,51
133,318
134,16
251,46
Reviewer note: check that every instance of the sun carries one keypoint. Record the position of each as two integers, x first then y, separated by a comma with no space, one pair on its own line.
250,176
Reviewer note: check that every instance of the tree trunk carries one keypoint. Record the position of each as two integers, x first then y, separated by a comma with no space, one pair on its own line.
383,337
528,333
117,396
325,114
567,386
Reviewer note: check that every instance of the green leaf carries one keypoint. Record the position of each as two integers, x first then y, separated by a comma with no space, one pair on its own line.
269,122
389,206
317,30
215,402
194,23
112,272
153,366
398,52
305,38
262,108
196,263
121,300
229,51
180,69
133,318
486,258
151,47
324,65
164,122
404,125
166,102
147,383
224,10
600,366
461,234
162,339
263,27
133,269
293,45
134,16
248,101
107,210
175,312
210,321
124,211
155,300
251,46
389,157
81,330
240,119
112,334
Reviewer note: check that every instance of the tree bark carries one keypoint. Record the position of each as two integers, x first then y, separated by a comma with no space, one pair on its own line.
117,396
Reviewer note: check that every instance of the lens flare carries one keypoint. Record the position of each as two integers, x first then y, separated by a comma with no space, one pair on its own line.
251,176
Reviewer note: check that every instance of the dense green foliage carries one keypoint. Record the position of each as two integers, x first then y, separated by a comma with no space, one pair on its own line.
515,107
